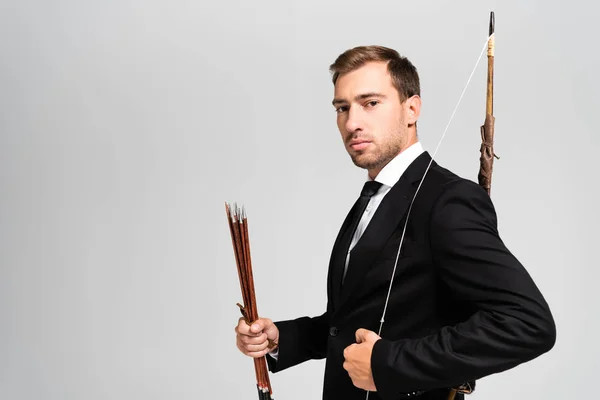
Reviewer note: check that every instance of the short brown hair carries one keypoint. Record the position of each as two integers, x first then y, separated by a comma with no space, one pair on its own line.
404,74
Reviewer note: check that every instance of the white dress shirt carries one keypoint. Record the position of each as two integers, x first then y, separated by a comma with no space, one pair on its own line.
388,177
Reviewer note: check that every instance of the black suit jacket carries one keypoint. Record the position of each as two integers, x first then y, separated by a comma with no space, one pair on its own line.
461,307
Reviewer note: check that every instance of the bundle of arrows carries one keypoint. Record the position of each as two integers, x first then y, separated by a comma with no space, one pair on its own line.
238,226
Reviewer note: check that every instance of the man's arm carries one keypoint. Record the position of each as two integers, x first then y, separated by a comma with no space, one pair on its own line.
300,340
513,323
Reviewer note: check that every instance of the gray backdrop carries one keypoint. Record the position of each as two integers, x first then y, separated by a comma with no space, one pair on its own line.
126,125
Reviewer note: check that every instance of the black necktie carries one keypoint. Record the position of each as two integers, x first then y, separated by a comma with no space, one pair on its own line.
369,189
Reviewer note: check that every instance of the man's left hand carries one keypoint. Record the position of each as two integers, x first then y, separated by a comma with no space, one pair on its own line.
357,358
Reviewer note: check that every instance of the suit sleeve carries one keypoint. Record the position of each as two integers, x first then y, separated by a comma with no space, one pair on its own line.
512,322
300,340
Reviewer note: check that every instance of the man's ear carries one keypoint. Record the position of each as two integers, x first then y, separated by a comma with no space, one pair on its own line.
413,105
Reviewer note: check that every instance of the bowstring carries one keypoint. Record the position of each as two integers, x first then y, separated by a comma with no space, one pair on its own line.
421,182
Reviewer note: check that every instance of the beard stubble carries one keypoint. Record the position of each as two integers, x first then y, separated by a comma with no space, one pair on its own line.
378,157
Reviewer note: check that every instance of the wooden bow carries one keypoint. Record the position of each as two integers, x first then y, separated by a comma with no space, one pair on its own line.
487,129
486,160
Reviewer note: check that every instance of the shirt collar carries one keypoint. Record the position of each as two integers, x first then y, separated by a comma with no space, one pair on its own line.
390,174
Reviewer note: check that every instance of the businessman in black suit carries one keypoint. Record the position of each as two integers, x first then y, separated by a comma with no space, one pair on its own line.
461,306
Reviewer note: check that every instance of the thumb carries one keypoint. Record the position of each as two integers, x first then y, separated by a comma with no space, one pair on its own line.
262,325
365,335
257,326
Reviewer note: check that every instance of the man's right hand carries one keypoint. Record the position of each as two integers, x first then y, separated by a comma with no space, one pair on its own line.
253,340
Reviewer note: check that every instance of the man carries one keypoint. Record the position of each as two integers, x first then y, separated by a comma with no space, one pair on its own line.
461,306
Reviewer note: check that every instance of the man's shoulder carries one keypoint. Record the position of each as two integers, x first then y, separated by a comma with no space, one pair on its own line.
442,178
442,184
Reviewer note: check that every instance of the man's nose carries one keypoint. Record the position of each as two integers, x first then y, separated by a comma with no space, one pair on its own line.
354,121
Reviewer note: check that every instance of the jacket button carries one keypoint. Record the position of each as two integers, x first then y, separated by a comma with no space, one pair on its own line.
333,331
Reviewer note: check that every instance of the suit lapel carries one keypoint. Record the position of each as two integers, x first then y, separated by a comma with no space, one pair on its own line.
385,221
337,261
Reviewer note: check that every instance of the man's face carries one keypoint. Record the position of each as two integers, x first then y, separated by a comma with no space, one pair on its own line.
370,117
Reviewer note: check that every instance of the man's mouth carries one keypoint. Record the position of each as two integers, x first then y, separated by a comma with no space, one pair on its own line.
359,144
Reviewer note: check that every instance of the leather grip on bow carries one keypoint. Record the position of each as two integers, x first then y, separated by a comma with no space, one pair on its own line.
486,159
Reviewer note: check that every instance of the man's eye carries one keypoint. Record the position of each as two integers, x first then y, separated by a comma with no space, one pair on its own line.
341,109
372,103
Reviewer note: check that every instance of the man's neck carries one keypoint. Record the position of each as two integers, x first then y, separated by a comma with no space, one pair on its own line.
374,172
